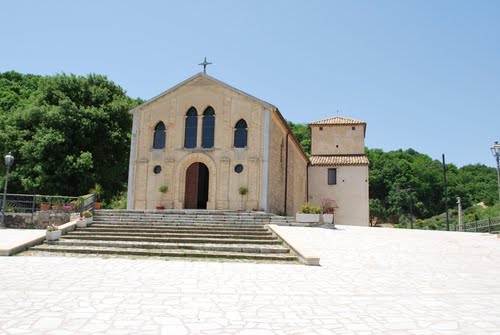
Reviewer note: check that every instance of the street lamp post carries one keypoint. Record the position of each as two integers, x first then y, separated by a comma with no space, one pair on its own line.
495,150
9,160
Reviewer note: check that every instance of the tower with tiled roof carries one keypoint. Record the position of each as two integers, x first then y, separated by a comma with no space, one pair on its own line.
339,168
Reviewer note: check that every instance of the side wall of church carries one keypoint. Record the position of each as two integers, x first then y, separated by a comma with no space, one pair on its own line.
276,191
291,168
221,160
297,178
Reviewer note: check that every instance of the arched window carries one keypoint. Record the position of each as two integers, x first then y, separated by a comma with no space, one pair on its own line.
208,127
191,128
240,134
159,136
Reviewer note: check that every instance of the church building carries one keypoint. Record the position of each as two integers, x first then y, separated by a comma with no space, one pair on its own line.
208,145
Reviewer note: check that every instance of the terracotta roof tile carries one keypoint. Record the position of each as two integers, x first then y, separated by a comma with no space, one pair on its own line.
338,160
337,120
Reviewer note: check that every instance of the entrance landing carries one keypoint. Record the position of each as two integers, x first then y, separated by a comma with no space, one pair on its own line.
14,240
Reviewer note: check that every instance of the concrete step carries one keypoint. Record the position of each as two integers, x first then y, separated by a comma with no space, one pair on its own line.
164,253
192,230
177,227
206,220
183,212
194,217
170,239
174,235
182,223
248,248
177,233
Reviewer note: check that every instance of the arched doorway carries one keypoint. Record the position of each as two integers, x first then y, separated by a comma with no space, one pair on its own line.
196,193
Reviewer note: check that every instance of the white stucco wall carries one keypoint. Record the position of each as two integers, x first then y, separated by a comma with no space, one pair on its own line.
350,192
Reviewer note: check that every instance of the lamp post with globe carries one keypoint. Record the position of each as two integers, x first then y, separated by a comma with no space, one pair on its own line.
9,160
495,150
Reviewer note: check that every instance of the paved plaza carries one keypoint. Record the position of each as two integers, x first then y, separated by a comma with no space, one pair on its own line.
371,281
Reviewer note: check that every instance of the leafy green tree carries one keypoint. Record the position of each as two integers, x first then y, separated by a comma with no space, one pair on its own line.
303,134
15,89
68,134
394,171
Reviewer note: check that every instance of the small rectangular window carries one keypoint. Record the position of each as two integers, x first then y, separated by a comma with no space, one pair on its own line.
332,176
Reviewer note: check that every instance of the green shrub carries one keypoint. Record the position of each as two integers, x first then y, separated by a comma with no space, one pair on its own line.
119,201
308,209
87,214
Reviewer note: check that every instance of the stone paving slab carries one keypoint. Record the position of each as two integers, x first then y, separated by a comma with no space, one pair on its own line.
15,240
371,281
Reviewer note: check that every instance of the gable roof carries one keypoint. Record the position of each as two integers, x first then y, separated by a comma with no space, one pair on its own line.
192,79
249,96
337,120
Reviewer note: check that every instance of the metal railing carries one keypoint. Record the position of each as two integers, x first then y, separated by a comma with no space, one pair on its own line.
32,203
87,203
489,225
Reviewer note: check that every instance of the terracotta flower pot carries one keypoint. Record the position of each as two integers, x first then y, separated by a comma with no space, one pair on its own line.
44,207
160,207
97,205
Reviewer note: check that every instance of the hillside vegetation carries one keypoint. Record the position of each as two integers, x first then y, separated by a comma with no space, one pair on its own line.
69,132
394,173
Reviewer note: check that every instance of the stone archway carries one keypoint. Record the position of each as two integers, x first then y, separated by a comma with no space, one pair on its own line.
197,186
180,179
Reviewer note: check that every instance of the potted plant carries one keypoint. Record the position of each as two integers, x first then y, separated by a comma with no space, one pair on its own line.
328,209
53,233
97,191
163,189
74,204
242,190
87,217
308,214
58,204
81,223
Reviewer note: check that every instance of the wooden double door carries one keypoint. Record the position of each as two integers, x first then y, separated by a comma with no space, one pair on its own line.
197,178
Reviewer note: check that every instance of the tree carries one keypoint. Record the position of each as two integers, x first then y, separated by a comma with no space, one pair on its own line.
393,171
68,134
303,134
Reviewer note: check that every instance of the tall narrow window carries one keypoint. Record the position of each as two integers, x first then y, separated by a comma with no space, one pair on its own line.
208,127
240,134
332,176
191,128
159,136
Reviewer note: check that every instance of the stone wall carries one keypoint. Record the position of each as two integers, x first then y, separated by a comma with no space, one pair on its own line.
276,190
297,178
38,220
296,188
337,139
230,106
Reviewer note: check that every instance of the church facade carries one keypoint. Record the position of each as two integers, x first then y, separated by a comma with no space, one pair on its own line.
208,145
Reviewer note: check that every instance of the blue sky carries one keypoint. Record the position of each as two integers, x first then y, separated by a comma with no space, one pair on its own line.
423,74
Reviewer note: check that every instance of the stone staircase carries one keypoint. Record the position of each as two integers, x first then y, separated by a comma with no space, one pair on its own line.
176,233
